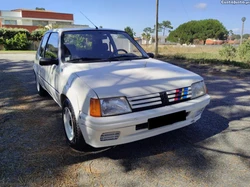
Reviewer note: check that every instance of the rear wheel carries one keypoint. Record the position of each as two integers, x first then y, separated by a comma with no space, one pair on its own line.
40,90
71,128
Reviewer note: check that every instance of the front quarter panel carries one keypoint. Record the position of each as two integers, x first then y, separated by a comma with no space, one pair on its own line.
78,93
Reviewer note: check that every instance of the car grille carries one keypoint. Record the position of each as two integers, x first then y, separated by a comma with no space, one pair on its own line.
179,94
149,101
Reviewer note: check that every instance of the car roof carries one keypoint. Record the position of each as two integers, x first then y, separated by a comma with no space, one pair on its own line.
60,30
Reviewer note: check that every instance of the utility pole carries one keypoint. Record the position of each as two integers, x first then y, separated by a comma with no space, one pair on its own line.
242,30
156,29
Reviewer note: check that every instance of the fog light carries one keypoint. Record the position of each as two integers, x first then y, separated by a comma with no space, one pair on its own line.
109,136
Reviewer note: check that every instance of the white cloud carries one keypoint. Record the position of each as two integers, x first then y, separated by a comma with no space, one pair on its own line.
201,6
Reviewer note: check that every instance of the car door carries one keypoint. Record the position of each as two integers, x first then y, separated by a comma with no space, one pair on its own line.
52,72
41,70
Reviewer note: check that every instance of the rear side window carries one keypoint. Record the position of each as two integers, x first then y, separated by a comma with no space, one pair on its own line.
52,46
43,44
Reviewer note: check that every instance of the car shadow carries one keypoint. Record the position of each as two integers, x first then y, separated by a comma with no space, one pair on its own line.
33,139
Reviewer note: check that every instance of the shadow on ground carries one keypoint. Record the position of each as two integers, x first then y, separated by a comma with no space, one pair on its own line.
33,148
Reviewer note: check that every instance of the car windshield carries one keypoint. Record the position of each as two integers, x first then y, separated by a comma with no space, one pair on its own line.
100,45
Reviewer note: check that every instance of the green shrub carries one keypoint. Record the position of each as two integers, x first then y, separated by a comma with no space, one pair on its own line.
18,42
38,34
1,32
1,40
228,52
244,51
8,33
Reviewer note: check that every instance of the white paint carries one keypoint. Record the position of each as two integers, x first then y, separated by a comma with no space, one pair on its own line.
82,81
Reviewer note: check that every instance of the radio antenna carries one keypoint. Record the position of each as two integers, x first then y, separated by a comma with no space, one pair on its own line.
88,19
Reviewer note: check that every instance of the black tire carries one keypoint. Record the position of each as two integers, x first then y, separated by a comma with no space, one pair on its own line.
40,90
75,139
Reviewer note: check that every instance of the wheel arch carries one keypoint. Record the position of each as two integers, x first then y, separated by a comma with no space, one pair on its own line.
74,102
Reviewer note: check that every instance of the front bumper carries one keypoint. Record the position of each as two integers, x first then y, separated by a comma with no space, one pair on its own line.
92,127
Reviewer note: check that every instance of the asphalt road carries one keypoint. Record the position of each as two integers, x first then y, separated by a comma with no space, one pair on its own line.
215,151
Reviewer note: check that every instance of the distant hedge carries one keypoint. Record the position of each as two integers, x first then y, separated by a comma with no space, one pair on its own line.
37,34
19,39
8,33
18,42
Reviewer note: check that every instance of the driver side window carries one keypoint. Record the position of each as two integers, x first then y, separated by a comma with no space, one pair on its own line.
43,44
51,51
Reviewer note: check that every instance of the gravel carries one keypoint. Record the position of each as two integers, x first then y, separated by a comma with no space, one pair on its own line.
214,151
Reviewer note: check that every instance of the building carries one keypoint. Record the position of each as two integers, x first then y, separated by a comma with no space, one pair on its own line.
33,19
210,41
161,40
138,39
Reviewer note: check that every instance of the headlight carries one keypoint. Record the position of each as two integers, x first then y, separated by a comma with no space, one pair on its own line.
198,89
114,106
109,106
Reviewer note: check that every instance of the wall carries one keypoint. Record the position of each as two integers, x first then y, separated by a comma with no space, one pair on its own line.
20,15
26,22
214,42
11,14
46,15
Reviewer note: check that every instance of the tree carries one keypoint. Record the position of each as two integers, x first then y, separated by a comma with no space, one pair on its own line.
159,28
148,30
130,31
51,26
38,34
228,52
235,36
166,25
246,36
146,35
202,30
38,8
230,33
244,51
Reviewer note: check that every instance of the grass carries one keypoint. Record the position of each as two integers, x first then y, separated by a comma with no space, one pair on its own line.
197,55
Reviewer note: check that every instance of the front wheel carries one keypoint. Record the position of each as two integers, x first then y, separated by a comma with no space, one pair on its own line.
72,130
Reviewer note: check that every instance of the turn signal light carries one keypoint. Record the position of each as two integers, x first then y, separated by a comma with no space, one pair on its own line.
95,107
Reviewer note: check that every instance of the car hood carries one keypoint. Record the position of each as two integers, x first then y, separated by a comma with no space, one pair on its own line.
133,78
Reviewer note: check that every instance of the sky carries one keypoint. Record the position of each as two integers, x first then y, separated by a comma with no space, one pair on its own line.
139,14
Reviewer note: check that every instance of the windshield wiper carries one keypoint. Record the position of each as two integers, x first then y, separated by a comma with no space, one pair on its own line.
85,59
126,57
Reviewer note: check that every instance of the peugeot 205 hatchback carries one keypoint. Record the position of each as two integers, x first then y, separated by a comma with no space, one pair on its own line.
111,91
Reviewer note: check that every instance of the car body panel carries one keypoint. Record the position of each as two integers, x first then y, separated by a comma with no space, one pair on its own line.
79,82
135,77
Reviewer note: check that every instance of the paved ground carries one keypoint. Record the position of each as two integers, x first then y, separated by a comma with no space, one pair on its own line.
214,151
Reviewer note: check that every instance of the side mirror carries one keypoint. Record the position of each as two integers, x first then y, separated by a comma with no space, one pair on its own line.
151,55
48,62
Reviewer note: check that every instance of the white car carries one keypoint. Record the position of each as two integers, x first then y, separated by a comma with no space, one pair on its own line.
111,91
